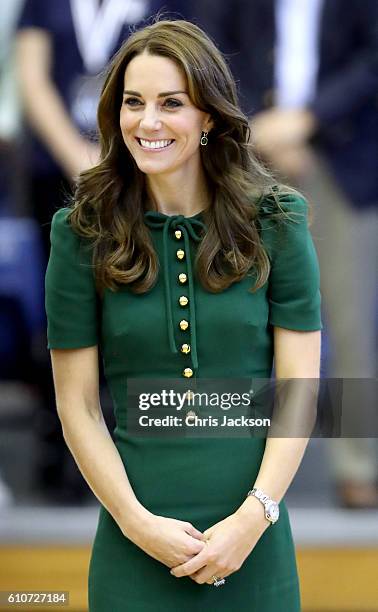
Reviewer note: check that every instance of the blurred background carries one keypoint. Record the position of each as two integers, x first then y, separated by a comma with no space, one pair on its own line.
307,74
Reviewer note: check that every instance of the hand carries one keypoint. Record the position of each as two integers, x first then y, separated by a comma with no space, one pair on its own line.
84,155
294,162
169,540
229,543
279,128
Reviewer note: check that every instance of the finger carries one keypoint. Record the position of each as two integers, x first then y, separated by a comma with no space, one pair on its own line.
191,530
195,564
210,582
206,576
196,546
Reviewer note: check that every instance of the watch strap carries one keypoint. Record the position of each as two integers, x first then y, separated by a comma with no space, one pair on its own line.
265,500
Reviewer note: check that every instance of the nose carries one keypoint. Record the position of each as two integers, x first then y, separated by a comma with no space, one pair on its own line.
150,119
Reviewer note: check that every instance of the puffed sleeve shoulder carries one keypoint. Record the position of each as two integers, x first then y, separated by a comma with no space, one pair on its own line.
294,283
70,294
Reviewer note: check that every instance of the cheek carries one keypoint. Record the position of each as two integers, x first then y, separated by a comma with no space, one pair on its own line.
194,131
193,140
127,123
189,132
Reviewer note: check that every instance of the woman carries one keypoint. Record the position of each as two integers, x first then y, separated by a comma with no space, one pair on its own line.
179,258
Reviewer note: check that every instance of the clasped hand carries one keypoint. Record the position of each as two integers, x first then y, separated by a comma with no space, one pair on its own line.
219,551
228,544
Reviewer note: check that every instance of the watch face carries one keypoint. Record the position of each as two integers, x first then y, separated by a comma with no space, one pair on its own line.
273,511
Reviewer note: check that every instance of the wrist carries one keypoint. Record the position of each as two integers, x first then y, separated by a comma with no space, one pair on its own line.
271,507
134,521
251,512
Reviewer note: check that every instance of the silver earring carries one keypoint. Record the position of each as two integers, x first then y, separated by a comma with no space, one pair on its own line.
204,139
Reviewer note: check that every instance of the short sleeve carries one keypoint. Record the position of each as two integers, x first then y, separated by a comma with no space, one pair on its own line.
33,15
70,294
294,281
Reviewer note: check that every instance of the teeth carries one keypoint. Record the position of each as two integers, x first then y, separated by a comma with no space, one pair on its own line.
155,144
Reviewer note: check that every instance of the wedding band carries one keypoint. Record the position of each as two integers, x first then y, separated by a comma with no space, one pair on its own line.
218,581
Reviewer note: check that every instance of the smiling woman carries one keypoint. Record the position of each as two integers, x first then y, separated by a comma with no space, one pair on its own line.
181,259
170,82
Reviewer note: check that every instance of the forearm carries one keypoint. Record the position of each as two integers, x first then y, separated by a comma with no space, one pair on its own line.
281,460
293,420
100,463
297,366
339,98
44,107
49,119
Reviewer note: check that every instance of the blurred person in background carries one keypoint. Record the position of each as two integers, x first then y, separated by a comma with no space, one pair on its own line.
10,159
62,46
10,111
61,49
310,82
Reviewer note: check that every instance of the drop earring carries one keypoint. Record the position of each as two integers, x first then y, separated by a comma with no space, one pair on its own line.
204,139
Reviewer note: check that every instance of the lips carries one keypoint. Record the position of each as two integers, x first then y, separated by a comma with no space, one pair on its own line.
155,145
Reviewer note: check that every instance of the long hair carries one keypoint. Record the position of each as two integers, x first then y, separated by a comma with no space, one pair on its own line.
109,200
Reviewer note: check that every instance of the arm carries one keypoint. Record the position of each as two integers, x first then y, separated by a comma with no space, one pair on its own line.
87,436
342,95
44,107
75,371
282,135
297,355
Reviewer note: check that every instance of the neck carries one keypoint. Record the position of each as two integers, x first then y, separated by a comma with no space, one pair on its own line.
175,194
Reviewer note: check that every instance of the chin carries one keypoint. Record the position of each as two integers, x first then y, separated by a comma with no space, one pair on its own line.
153,168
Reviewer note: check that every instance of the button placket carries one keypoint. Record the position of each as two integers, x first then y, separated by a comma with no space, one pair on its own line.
187,301
183,228
184,325
183,302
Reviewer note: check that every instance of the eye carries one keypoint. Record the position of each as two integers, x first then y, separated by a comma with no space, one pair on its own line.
132,102
172,103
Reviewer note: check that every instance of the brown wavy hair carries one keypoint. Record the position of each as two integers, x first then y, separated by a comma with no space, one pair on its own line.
110,199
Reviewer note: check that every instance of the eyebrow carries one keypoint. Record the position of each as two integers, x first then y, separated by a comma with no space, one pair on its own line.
160,95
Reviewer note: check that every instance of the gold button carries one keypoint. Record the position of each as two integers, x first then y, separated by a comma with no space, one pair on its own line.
185,348
184,324
178,234
182,278
183,300
180,254
188,372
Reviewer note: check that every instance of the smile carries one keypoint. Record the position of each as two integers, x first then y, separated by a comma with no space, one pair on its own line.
154,145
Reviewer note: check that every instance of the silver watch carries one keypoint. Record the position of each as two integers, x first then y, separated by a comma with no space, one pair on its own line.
272,510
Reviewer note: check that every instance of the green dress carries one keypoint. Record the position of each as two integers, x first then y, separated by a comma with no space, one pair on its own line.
201,480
